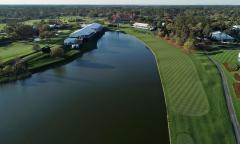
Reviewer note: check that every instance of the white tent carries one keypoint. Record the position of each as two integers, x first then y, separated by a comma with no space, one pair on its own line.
141,26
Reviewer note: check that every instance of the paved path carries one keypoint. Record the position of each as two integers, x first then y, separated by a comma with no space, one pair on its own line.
229,102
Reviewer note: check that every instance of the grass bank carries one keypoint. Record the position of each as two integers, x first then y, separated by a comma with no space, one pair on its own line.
196,107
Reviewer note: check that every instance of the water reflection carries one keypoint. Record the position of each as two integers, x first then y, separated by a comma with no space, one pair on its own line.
94,65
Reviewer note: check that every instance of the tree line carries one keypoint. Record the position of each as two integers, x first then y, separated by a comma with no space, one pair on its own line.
183,23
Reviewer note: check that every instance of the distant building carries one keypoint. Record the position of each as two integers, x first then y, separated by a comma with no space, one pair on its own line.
221,36
142,26
55,26
123,18
78,37
236,27
37,39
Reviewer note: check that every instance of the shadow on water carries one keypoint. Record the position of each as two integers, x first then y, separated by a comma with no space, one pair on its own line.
108,52
60,71
94,65
51,78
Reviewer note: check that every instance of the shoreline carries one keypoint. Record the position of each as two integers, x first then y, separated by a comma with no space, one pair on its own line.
69,56
160,78
173,132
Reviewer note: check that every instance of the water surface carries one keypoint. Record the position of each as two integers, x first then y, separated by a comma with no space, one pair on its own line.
111,95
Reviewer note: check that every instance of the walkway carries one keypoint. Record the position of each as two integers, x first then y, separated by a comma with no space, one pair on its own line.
229,102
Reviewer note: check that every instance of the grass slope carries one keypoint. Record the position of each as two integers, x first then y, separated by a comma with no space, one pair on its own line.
230,56
14,50
196,106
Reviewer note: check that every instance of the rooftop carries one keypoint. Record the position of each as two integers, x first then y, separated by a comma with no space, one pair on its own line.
87,30
221,36
141,24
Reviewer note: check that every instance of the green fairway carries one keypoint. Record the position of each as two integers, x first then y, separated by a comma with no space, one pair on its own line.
14,50
230,56
196,107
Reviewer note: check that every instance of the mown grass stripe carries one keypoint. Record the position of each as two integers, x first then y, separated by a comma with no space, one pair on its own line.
203,129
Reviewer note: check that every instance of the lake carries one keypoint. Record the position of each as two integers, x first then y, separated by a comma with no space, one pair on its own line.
110,95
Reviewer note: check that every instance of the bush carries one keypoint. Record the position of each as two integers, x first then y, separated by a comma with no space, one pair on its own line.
57,52
189,44
166,37
1,71
8,69
171,35
161,34
46,34
179,41
36,47
174,38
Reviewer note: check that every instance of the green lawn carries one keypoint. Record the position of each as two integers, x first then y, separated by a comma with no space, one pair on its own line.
230,56
14,50
196,107
32,22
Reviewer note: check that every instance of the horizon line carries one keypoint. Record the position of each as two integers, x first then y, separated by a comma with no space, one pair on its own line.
32,4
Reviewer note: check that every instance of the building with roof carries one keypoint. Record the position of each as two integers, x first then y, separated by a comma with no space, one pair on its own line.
236,27
80,36
221,36
123,17
142,26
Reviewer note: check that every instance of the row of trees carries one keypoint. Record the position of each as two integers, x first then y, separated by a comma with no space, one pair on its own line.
185,28
182,23
144,13
20,31
192,24
18,66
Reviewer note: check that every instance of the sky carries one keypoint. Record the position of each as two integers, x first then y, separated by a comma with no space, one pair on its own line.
127,2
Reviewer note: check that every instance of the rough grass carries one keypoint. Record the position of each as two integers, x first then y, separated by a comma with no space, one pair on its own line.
14,50
230,56
193,92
